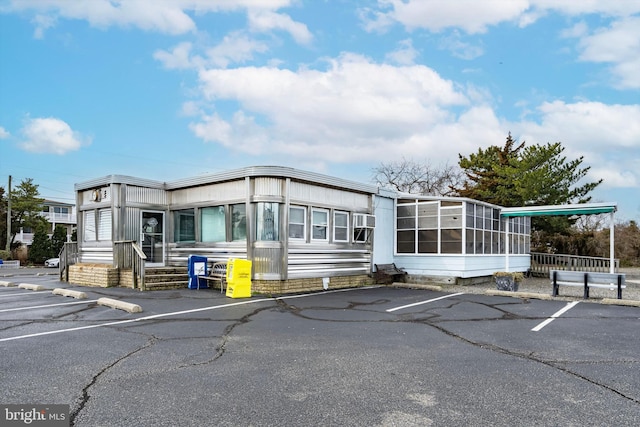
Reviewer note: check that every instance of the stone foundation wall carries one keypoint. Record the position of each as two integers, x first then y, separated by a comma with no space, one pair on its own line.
98,275
275,287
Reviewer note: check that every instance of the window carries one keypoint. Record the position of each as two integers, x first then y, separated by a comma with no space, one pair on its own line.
267,221
319,224
184,226
406,224
428,228
238,222
104,224
89,225
340,227
297,222
213,224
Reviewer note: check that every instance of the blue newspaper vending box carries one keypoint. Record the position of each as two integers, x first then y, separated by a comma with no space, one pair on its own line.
197,267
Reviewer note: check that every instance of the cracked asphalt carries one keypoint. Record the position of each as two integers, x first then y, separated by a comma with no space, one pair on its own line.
197,358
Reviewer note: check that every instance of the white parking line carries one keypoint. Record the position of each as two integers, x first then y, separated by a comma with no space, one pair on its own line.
555,315
174,313
423,302
45,306
22,293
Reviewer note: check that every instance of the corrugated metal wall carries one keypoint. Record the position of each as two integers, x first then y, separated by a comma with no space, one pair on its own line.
96,255
179,256
221,192
313,261
268,263
301,192
273,187
149,196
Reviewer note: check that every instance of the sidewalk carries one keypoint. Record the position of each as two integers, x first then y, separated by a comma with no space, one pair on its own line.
540,287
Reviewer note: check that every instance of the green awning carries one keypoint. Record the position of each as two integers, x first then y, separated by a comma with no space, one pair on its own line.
560,210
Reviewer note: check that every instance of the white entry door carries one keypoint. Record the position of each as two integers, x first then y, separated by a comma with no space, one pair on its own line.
152,237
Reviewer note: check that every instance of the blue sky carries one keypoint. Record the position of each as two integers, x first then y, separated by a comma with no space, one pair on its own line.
176,88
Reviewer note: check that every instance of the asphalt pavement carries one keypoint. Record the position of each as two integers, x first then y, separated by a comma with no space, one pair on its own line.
375,356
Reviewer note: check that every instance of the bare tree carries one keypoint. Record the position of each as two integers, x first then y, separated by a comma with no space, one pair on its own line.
408,176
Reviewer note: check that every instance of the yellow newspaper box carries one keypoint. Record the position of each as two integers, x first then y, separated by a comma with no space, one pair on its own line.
238,278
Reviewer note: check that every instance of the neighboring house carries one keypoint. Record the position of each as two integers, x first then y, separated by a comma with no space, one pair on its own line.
56,214
296,226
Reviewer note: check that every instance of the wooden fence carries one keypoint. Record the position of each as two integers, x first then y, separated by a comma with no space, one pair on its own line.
542,263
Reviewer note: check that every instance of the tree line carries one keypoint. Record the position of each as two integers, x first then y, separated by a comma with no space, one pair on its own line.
517,174
26,208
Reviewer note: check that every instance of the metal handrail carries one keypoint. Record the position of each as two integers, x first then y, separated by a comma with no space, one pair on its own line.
128,255
67,257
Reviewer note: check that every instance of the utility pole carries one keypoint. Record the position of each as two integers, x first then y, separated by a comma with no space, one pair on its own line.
9,216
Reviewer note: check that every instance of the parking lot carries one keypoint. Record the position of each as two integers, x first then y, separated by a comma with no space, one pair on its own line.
373,356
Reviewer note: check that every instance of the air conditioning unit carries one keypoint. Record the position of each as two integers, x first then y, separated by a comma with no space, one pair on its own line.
364,221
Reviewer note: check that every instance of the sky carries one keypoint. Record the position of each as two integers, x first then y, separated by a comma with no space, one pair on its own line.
171,89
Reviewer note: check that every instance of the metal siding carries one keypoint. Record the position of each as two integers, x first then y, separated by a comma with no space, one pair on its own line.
309,261
179,256
96,255
324,196
268,187
131,223
150,196
460,265
267,263
212,194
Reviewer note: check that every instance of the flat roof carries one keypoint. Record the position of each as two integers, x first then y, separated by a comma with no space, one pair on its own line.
561,210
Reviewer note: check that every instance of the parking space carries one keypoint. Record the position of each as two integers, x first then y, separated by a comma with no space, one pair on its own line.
368,356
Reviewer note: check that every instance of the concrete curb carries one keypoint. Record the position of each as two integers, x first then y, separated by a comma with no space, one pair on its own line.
120,305
6,284
417,286
629,303
529,295
31,287
69,293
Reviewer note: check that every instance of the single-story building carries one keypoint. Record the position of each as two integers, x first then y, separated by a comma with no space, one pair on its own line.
301,230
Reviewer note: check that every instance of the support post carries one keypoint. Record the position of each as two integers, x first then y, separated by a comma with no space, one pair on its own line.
612,267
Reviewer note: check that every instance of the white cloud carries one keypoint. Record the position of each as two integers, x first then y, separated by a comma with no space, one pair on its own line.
460,48
469,15
405,54
473,16
266,20
352,111
51,135
178,58
619,45
4,134
608,136
168,16
235,48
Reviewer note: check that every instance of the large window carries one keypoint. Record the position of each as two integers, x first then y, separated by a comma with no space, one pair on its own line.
319,224
104,224
89,225
213,224
184,225
406,226
340,226
297,222
238,222
267,221
97,225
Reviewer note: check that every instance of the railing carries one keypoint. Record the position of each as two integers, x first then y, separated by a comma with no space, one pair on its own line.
58,217
128,255
542,264
68,256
